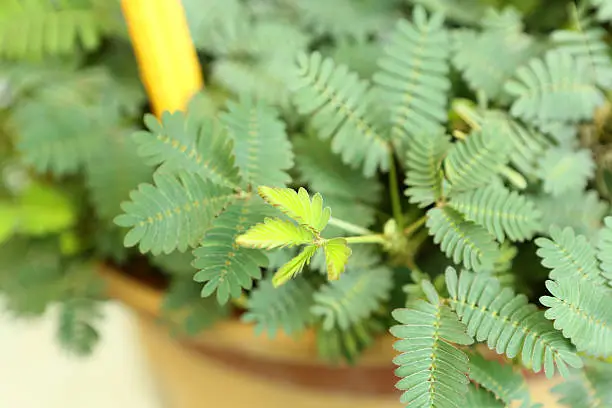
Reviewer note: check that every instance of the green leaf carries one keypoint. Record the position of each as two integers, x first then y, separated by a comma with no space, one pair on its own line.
475,161
77,333
337,345
355,296
462,240
298,206
502,212
337,253
588,44
460,11
294,266
478,397
283,308
432,368
347,19
75,111
338,104
174,213
583,212
528,144
325,173
110,181
424,175
225,267
48,28
275,233
568,255
189,143
581,309
507,384
261,146
565,170
414,75
604,248
182,305
588,388
488,59
509,323
556,87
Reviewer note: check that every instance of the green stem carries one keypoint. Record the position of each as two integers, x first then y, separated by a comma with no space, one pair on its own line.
367,239
395,198
409,230
349,227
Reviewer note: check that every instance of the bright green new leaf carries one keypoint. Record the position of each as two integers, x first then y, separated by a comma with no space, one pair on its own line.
294,266
337,253
275,233
297,205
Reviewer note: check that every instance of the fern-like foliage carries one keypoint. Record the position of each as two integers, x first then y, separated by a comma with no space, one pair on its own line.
589,388
528,144
479,397
414,74
183,303
188,143
360,57
326,174
563,170
51,28
352,298
110,181
347,19
506,384
509,324
75,113
337,102
262,149
587,43
76,332
461,11
475,161
433,370
285,308
580,309
604,249
580,295
174,213
502,212
346,345
225,267
424,175
568,255
489,58
462,240
267,80
582,212
556,87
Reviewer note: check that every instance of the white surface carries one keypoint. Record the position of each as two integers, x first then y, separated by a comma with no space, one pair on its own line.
36,373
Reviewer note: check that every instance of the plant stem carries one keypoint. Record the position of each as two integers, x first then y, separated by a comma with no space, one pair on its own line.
409,230
349,227
367,239
395,198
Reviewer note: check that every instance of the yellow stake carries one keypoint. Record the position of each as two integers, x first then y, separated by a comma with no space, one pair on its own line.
167,60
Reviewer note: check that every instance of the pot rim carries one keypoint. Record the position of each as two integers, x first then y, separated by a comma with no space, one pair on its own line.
235,335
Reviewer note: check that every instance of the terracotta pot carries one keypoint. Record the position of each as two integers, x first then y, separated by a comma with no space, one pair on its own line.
228,366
